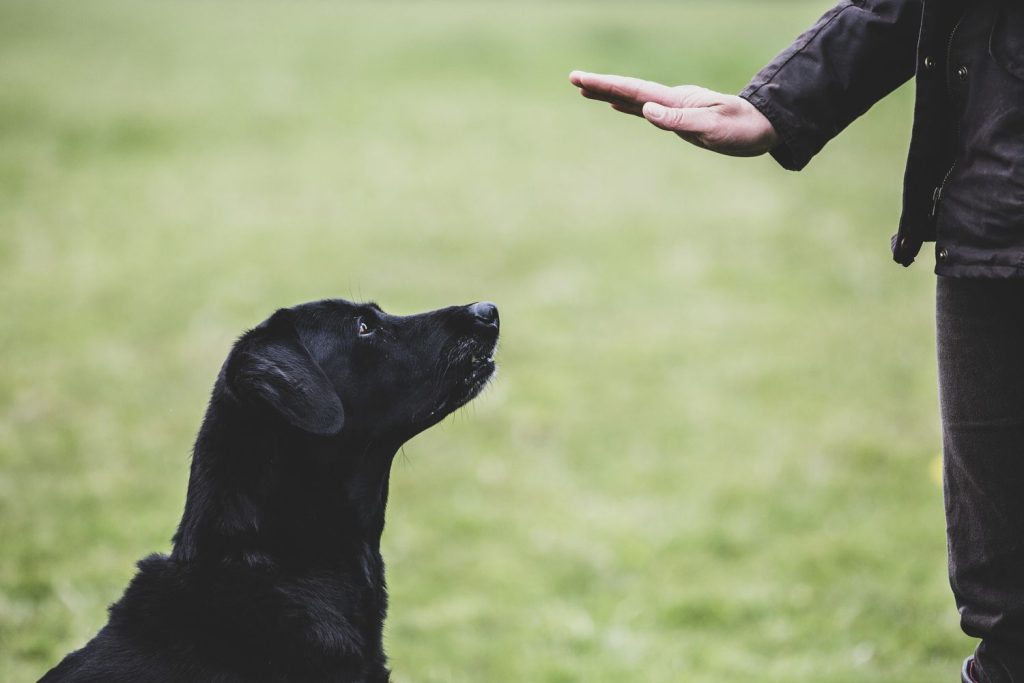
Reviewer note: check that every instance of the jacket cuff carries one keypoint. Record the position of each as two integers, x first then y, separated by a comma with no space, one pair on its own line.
793,151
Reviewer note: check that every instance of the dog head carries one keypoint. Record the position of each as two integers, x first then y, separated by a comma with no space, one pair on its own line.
334,367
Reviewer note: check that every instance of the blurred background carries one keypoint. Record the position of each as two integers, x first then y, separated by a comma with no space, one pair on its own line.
712,452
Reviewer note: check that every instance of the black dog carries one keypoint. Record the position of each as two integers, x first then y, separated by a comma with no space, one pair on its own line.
276,572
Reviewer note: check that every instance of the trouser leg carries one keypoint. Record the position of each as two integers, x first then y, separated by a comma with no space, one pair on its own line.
980,329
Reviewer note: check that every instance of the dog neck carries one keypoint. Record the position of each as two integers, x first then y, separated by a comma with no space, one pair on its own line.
304,513
256,495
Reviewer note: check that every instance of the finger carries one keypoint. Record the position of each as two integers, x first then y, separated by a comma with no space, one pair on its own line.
623,87
628,109
618,105
698,120
602,97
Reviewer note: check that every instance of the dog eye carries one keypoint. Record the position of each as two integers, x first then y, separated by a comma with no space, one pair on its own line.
363,328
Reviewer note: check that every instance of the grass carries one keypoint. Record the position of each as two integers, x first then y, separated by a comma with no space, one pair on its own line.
711,452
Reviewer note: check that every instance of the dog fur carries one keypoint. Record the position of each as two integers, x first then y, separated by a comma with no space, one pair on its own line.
275,572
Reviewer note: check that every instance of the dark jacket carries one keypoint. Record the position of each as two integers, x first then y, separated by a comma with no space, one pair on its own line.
964,183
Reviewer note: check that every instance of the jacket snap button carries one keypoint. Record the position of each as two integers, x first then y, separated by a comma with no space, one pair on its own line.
943,254
962,73
929,63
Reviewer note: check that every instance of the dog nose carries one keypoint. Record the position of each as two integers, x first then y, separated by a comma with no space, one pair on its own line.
485,313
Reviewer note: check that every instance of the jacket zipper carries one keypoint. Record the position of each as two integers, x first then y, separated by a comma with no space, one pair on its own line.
937,194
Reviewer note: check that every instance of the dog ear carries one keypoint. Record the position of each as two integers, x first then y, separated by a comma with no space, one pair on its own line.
274,367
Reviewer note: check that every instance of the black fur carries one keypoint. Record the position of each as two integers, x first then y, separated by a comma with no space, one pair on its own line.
276,572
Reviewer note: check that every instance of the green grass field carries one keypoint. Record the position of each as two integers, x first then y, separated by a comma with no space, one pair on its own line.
711,453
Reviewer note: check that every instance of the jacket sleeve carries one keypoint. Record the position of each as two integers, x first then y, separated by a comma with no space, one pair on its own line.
856,54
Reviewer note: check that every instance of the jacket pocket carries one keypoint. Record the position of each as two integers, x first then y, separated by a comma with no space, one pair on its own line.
1007,42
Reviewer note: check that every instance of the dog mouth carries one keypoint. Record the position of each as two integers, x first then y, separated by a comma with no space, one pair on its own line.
471,367
481,370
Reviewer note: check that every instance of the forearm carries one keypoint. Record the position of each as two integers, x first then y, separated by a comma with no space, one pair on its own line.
855,55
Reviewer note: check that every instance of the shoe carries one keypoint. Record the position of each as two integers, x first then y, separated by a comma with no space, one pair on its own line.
967,673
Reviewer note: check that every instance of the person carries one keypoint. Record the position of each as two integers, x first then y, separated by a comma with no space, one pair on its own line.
963,190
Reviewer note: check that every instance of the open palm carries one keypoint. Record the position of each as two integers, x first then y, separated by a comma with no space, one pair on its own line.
722,123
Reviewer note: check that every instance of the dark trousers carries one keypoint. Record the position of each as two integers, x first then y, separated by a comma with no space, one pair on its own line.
980,328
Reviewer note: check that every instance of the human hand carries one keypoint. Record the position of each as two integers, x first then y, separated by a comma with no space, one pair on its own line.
721,123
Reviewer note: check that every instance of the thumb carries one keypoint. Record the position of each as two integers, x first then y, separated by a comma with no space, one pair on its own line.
693,120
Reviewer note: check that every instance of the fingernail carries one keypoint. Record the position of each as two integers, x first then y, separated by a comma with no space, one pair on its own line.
653,110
